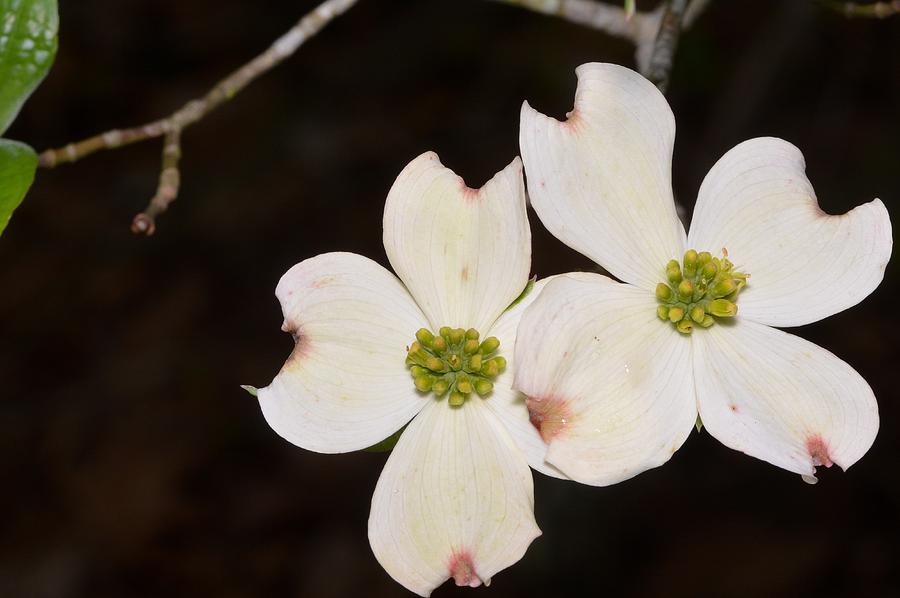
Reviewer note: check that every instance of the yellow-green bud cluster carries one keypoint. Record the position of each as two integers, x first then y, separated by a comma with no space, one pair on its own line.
699,290
454,363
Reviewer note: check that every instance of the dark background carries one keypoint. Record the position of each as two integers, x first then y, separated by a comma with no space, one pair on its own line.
132,464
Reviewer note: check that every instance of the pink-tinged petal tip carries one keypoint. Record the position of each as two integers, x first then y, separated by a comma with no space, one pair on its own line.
549,416
806,265
819,454
818,450
462,570
463,253
600,180
455,500
609,390
342,308
782,399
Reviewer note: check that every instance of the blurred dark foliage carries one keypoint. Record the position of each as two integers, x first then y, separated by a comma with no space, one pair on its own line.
131,462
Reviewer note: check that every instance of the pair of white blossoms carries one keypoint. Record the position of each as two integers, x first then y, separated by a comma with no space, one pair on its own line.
584,378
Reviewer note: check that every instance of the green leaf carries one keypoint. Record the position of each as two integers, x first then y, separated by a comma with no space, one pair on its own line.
251,389
698,424
28,37
387,444
17,165
523,294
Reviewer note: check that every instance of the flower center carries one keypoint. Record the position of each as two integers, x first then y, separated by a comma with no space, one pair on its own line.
454,362
699,290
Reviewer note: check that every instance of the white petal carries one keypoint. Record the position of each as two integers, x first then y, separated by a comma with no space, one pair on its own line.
609,384
463,253
804,264
345,386
601,180
508,404
782,399
455,499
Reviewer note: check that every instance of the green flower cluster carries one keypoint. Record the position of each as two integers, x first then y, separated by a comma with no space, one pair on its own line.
699,290
454,362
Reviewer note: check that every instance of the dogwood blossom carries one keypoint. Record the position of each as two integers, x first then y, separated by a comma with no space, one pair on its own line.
617,372
373,354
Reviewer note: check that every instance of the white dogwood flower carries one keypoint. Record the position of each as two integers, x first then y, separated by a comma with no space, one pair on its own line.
616,373
455,498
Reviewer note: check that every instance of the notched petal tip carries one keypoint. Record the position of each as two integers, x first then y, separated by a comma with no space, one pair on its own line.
511,173
549,416
510,176
293,329
597,176
462,570
439,233
818,451
530,117
342,308
819,454
467,518
301,349
807,264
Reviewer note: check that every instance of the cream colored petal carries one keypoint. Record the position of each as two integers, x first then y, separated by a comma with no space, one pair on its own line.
345,385
508,404
455,499
463,253
804,264
601,180
609,385
782,399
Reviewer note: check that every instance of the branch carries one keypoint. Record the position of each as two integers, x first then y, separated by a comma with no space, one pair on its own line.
172,125
693,11
167,191
590,13
641,28
876,10
666,43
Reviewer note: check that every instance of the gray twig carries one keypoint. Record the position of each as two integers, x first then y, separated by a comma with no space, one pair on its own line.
167,191
647,30
666,43
874,10
172,125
